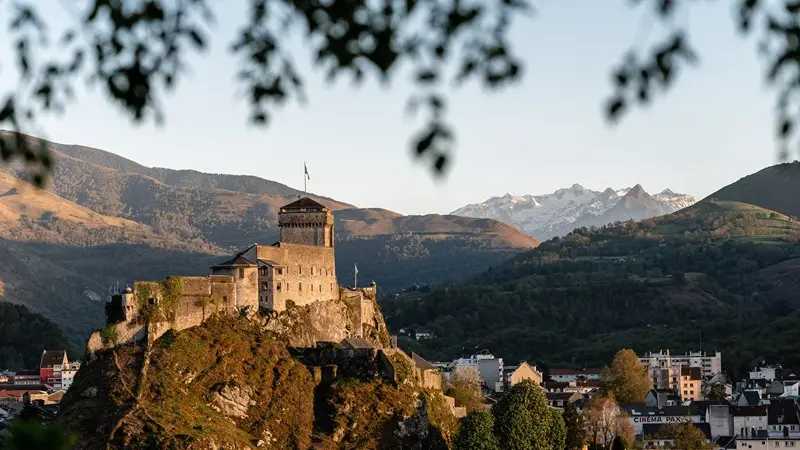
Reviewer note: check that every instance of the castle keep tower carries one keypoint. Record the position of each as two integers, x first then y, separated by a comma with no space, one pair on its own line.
306,222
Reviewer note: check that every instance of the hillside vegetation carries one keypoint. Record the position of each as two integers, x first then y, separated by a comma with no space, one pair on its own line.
106,221
774,188
707,272
229,384
24,335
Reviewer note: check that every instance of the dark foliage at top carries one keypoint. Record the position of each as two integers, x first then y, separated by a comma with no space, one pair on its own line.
137,51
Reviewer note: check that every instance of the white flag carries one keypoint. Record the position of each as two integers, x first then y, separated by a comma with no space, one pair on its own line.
356,266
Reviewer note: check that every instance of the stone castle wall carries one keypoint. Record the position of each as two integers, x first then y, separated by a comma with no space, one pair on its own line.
201,297
308,275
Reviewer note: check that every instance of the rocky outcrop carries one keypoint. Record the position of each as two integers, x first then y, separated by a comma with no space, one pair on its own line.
234,401
230,383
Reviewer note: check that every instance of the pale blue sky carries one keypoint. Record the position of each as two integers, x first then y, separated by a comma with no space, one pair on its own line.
545,133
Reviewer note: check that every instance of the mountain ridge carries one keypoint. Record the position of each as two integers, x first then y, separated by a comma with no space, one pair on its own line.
556,214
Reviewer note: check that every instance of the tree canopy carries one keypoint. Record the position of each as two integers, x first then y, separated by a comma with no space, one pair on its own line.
627,378
522,418
575,428
465,388
476,432
137,51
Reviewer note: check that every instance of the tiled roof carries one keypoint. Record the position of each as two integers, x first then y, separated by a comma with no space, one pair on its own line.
24,387
782,412
271,263
51,358
748,411
236,261
304,203
692,372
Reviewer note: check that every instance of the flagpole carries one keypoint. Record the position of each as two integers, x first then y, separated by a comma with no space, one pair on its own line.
305,180
355,276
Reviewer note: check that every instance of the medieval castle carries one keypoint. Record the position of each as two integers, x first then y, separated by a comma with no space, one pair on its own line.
299,269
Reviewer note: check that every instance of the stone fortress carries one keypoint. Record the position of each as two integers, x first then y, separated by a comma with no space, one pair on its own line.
291,288
298,270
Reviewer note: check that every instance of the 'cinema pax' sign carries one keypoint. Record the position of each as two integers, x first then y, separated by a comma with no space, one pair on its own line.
661,419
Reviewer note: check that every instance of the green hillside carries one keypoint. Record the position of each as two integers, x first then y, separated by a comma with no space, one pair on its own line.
668,282
24,335
775,188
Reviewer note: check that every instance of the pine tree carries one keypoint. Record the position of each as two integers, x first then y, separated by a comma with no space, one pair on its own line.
476,432
575,428
522,418
557,435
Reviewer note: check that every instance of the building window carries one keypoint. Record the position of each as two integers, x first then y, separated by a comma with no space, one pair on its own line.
278,286
241,273
279,271
287,286
312,270
224,299
264,286
300,268
331,286
320,288
300,286
312,288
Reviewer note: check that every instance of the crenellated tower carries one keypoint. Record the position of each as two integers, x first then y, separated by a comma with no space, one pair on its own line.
306,222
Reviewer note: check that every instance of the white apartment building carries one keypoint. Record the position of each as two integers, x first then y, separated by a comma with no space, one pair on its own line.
709,364
488,366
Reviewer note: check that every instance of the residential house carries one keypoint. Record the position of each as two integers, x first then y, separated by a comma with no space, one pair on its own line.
559,400
747,398
782,418
748,420
791,388
690,388
659,398
27,377
514,374
769,373
762,441
568,375
50,368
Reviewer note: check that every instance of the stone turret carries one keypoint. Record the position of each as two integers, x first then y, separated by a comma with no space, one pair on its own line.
306,222
129,306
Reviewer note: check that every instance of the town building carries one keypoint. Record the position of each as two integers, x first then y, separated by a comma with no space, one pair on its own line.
691,384
568,375
761,441
708,364
50,367
27,377
514,374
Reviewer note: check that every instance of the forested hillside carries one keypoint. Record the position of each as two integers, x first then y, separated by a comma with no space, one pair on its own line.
24,335
705,272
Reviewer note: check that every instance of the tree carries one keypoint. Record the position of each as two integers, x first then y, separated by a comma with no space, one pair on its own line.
575,428
604,421
136,51
717,391
465,388
476,432
686,436
557,435
627,378
27,434
522,418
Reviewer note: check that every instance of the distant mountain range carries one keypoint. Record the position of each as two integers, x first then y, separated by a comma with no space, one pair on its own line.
556,214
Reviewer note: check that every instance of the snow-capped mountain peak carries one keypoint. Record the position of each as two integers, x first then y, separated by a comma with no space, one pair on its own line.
545,216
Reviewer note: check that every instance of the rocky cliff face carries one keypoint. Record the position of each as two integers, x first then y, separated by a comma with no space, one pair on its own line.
234,383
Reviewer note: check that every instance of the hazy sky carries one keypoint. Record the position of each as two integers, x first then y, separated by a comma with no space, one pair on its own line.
540,135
